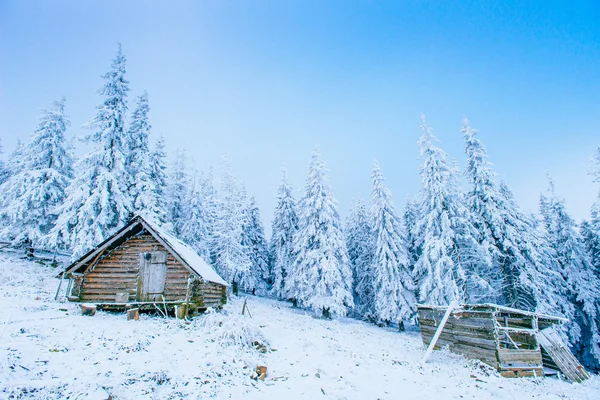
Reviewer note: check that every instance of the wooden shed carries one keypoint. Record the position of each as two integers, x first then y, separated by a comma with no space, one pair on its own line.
141,266
517,343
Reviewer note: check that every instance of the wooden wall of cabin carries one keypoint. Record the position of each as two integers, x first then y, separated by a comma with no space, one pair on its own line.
468,333
117,272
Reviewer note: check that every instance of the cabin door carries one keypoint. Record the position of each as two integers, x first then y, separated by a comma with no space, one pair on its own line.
152,276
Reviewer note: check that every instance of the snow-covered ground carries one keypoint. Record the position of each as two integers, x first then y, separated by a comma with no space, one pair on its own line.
48,350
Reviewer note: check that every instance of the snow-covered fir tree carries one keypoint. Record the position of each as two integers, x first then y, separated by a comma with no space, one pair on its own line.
158,177
3,168
30,196
178,187
591,242
98,202
582,286
137,163
284,227
507,234
230,257
194,229
410,216
393,286
360,241
450,264
255,242
320,278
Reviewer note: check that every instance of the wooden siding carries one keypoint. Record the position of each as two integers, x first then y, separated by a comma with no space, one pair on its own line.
116,271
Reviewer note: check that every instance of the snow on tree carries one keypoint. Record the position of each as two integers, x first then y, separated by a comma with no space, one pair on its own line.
284,227
393,286
158,176
410,216
98,202
230,257
31,195
591,241
137,163
3,168
517,251
178,187
582,286
360,242
450,265
320,278
194,229
255,242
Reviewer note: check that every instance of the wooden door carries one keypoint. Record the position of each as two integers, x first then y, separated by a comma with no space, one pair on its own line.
152,276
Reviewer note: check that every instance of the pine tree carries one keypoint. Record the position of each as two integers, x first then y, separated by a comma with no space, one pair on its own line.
253,238
98,202
179,183
517,252
137,163
158,177
393,286
320,279
31,195
450,262
231,259
284,227
581,285
360,241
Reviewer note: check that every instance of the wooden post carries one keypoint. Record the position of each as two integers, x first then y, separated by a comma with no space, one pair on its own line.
133,314
181,311
62,278
440,328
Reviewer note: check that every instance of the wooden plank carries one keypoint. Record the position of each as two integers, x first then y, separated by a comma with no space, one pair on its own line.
520,356
550,340
439,330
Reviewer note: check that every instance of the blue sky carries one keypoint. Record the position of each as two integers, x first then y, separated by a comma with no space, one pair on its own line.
265,81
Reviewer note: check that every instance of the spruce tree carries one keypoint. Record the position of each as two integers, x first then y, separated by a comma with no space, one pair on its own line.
253,238
158,179
410,216
3,168
98,202
284,227
231,260
450,263
178,187
393,286
30,197
137,163
360,241
194,229
581,285
518,254
320,279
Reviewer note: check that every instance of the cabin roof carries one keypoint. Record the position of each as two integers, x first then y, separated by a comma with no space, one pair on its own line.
184,253
495,307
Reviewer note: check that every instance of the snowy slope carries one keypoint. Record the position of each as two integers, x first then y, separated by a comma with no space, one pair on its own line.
49,353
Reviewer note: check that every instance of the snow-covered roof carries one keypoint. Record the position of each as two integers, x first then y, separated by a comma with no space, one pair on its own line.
186,253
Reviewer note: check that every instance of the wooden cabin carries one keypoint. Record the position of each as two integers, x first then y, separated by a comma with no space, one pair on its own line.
142,266
517,343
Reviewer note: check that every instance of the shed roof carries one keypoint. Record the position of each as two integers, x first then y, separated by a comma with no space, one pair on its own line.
183,252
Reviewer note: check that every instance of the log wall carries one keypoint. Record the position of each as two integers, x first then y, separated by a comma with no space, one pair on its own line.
116,271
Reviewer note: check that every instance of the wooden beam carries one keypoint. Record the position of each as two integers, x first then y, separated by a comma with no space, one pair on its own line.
439,330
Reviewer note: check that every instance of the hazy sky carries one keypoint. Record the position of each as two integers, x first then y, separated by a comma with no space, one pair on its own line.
267,80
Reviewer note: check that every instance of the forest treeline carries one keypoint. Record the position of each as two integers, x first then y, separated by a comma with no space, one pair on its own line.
473,245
